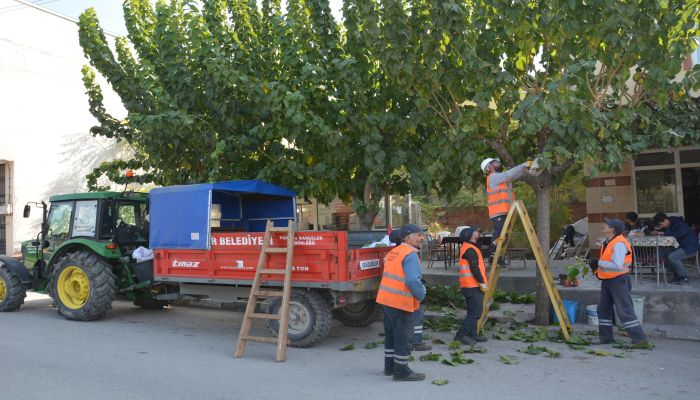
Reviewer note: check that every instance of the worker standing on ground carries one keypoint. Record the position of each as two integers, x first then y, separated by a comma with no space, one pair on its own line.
400,292
499,193
473,284
418,315
613,268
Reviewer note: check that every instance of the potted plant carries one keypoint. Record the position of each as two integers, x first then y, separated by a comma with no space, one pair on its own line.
574,271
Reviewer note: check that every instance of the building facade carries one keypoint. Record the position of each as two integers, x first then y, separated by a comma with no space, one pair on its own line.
45,144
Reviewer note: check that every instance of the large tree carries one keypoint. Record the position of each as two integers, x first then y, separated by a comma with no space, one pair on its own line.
230,90
565,81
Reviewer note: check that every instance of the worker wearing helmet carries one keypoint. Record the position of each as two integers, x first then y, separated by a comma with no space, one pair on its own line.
499,192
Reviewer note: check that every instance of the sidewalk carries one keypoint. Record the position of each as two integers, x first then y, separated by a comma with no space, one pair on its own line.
674,309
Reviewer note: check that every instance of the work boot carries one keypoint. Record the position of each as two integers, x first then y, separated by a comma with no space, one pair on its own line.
682,281
479,338
465,340
412,376
422,347
388,372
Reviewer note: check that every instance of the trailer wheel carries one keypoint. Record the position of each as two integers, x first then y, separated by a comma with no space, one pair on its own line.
309,318
359,314
83,286
12,292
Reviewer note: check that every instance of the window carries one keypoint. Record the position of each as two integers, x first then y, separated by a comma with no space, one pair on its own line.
59,220
666,181
656,191
648,159
85,218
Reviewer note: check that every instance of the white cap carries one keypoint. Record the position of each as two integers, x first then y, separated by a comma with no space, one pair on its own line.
486,162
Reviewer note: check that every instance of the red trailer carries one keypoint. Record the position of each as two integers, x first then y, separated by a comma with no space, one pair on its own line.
329,276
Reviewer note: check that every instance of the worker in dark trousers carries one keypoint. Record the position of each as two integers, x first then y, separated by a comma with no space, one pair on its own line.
400,292
473,285
499,194
418,316
613,269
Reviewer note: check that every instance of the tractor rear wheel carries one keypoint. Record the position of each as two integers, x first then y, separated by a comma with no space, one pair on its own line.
83,286
12,292
309,318
359,314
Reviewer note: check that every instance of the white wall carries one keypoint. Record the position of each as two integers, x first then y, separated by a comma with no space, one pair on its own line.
45,121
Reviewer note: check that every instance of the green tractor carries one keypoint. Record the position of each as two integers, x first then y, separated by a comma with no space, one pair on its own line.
82,256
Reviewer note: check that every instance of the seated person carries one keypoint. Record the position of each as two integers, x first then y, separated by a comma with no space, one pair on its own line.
632,222
687,243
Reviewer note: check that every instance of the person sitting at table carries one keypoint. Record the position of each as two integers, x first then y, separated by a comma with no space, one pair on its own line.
632,222
687,243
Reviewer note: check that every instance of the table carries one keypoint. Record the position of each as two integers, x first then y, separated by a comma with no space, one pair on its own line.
647,253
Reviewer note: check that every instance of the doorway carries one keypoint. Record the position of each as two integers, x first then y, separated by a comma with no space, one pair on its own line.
691,195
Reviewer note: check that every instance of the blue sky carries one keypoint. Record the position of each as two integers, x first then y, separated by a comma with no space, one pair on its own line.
109,11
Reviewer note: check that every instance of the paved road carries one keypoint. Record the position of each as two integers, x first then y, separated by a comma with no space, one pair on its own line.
186,353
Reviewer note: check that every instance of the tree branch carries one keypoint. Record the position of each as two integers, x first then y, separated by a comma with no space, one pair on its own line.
561,168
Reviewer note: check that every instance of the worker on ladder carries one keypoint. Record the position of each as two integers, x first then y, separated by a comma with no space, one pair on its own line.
400,292
499,193
613,269
472,284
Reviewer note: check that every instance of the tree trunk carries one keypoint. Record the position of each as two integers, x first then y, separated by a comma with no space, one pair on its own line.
367,208
542,191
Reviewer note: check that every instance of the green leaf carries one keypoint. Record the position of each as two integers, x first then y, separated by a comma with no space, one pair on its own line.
510,360
599,353
440,382
430,357
347,347
455,345
438,341
371,345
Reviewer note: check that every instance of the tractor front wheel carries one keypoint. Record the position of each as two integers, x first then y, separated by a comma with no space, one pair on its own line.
83,286
12,292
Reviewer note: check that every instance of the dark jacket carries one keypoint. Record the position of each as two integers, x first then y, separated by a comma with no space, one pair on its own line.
683,234
471,256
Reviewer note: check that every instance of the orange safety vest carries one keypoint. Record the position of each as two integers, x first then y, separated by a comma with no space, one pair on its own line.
499,200
606,253
466,279
393,291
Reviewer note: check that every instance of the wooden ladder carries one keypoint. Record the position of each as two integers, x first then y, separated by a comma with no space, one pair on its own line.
255,293
502,243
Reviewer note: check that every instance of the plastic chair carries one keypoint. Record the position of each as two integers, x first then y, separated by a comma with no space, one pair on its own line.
648,257
435,250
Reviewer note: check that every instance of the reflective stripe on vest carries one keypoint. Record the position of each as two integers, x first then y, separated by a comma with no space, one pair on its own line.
466,278
499,199
606,253
393,291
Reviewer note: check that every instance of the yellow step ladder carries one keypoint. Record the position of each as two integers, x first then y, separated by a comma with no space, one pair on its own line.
542,265
281,340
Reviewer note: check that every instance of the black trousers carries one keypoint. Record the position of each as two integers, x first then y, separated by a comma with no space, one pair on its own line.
398,329
475,304
617,291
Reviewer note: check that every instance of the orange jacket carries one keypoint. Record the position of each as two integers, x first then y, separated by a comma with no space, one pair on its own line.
606,254
466,279
499,200
393,291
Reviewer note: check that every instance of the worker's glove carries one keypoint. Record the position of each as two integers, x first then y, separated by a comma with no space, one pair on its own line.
594,265
425,287
483,287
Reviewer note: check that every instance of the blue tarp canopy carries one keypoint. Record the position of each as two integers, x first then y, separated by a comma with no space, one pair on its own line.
181,216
